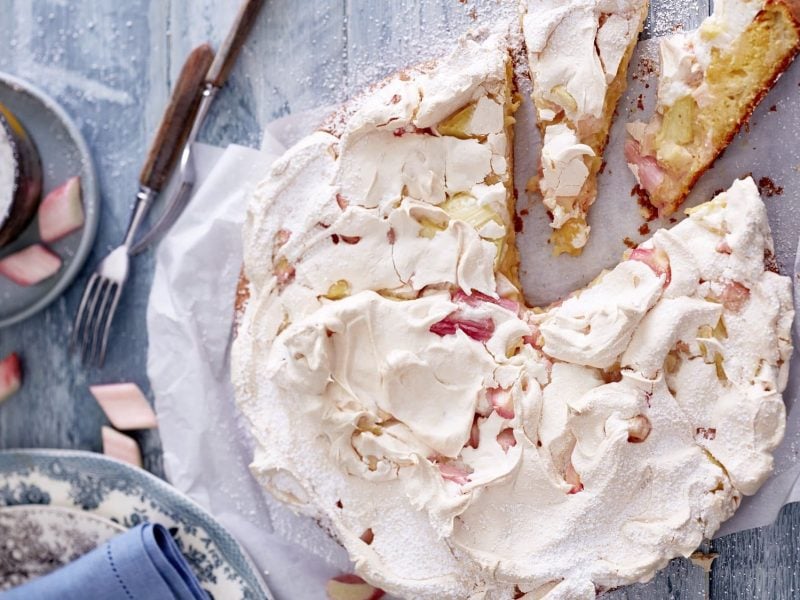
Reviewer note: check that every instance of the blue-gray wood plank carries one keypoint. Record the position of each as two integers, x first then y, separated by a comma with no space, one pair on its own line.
111,64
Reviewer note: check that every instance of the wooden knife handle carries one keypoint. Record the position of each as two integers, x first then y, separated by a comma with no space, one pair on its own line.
177,120
227,53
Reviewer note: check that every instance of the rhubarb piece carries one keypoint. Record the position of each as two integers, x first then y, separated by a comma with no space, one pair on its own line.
573,479
734,296
656,259
639,429
120,446
61,212
351,587
711,81
453,472
475,299
480,330
10,376
125,406
506,439
474,433
501,401
30,266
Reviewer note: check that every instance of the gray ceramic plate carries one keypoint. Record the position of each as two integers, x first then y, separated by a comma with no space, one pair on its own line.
64,153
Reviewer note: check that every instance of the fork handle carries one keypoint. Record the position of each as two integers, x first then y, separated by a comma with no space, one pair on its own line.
228,51
177,120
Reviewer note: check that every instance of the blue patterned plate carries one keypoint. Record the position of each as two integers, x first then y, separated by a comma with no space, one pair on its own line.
38,539
127,496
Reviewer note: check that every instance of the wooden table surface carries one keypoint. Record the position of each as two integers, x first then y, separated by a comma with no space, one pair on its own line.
111,63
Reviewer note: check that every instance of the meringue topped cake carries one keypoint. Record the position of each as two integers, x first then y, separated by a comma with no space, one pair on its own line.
457,443
711,81
579,51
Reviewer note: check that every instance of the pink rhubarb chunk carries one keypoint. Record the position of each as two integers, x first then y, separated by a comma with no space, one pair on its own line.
10,376
125,406
30,266
656,259
61,212
735,296
501,401
651,175
480,330
454,473
476,298
573,479
506,439
351,587
120,446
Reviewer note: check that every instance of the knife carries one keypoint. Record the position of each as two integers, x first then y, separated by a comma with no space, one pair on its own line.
215,79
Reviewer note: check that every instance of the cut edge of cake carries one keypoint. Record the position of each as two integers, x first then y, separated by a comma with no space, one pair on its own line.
684,137
563,140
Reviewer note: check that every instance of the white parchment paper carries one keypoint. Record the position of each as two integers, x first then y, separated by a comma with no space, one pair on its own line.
206,445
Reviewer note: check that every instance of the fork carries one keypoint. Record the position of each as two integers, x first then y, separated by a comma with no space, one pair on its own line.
104,288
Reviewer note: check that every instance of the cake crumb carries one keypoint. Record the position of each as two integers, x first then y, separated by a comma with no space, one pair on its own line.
644,229
629,243
768,188
649,212
771,262
703,560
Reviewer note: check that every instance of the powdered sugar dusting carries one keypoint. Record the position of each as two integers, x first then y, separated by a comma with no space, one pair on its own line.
337,445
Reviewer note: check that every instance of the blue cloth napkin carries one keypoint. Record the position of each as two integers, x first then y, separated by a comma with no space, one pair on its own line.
141,564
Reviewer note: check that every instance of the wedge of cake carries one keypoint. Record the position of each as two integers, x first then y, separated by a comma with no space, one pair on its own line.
579,52
711,81
455,442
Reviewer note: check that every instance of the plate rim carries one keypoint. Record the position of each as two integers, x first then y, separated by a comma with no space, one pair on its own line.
22,458
90,192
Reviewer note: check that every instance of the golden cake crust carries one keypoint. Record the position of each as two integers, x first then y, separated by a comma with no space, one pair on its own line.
667,200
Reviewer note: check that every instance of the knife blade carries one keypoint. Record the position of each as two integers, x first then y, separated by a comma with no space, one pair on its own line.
215,79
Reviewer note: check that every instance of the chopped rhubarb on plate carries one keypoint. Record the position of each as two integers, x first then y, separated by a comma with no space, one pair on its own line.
351,587
30,265
120,446
125,406
10,376
61,212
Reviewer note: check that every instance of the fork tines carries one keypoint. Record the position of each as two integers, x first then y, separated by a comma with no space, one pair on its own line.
93,319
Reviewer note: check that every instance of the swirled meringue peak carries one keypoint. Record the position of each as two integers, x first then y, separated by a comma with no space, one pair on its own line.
456,443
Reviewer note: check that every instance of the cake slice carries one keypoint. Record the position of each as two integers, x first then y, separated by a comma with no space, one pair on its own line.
579,52
711,81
